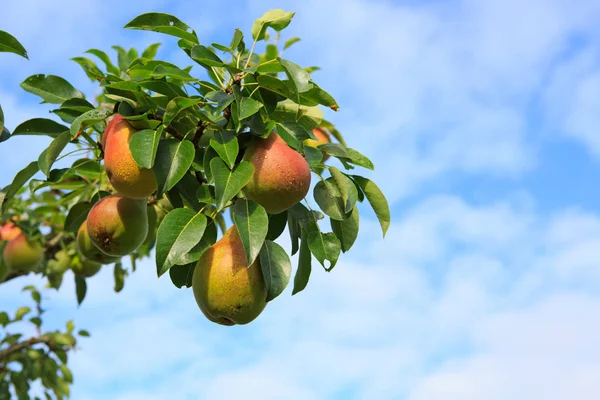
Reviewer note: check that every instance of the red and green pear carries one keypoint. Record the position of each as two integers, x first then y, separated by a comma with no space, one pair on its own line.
281,174
118,225
123,172
227,291
22,254
9,231
88,250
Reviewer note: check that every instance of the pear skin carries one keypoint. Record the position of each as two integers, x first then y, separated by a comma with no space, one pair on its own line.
118,225
281,174
88,250
23,255
227,291
123,172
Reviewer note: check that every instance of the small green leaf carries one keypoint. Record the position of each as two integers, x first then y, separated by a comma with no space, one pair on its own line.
377,200
163,70
4,318
80,288
177,105
334,149
51,153
252,223
66,373
314,157
105,59
20,179
163,23
348,191
290,42
238,35
346,230
248,107
277,19
87,119
21,312
144,145
277,223
329,198
52,89
276,268
84,333
205,56
40,126
9,44
90,68
181,275
228,183
119,274
299,77
357,158
178,233
173,160
150,51
304,265
324,246
77,214
226,145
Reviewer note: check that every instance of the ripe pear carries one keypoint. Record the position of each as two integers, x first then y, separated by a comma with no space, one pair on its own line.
227,291
281,175
322,138
9,231
23,255
88,250
84,267
123,172
118,225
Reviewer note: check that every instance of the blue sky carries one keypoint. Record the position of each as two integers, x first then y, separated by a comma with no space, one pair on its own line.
482,118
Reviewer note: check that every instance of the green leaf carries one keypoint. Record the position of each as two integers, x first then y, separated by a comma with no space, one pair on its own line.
87,119
288,111
334,149
346,230
150,51
40,126
182,275
178,233
80,288
252,223
208,239
66,373
205,56
304,265
105,59
163,87
348,191
173,160
313,156
223,99
119,274
84,333
122,58
20,179
4,318
51,153
163,70
228,183
248,107
329,198
9,44
354,157
144,145
277,19
21,312
277,224
163,23
90,68
226,145
178,104
299,77
324,246
377,200
1,121
52,89
238,35
77,214
290,42
293,133
276,268
316,95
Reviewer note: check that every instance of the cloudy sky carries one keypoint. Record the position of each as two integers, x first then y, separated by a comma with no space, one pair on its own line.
482,117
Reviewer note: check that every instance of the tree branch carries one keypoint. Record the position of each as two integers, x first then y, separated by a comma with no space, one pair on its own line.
14,348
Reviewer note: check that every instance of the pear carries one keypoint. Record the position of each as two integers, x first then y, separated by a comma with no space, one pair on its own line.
227,291
281,175
118,225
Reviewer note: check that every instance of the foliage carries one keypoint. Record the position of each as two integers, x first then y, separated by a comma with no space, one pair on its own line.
193,124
